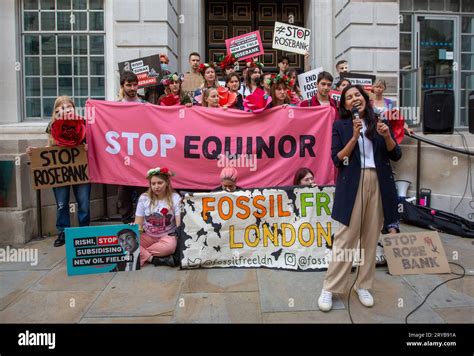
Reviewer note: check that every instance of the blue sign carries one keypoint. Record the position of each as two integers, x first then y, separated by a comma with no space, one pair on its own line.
102,249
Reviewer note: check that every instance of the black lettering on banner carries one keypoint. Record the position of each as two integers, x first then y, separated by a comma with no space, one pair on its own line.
307,145
262,146
281,146
227,144
205,147
188,146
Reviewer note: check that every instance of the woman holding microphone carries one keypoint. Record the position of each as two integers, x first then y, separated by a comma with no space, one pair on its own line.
362,147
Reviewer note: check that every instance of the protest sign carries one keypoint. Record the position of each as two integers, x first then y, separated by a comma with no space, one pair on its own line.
415,253
335,95
283,228
245,46
267,149
291,38
365,80
308,83
147,69
102,249
57,166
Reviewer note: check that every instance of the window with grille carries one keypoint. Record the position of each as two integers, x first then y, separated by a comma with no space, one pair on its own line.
63,53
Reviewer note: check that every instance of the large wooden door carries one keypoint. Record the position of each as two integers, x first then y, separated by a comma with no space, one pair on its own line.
226,19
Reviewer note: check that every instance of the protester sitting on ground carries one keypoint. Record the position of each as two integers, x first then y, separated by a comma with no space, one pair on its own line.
293,87
208,72
158,215
304,176
173,93
228,177
210,98
233,83
64,113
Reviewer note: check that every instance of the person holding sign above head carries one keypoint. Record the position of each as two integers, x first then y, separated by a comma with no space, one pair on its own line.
173,93
283,65
322,98
208,73
304,176
158,215
64,126
362,148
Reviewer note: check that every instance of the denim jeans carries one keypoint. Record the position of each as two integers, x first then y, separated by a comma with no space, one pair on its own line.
82,193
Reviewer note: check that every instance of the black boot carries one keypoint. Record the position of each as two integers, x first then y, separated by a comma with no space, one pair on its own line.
164,261
61,240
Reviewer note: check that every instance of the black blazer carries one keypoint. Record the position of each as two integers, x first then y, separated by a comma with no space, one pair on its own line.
349,175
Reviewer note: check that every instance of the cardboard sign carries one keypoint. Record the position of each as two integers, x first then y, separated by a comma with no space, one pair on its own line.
291,38
58,166
415,253
308,83
102,249
147,69
245,46
365,80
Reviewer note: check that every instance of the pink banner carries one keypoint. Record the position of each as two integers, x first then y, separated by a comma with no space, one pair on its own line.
127,139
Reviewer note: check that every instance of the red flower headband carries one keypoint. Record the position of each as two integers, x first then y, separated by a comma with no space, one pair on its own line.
204,66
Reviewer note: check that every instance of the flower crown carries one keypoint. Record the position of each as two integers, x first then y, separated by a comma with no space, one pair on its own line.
204,66
158,170
251,63
227,61
170,78
283,79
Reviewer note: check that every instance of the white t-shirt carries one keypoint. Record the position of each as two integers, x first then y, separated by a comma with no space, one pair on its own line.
159,220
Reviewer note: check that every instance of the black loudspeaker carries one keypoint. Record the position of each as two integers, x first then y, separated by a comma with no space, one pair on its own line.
471,112
438,111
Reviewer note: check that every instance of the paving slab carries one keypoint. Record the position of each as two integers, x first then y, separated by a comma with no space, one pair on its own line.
14,283
221,280
234,307
160,319
58,280
48,307
394,299
445,296
288,291
149,292
48,256
457,315
307,317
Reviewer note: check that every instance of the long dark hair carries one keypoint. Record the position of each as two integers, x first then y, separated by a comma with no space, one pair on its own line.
370,118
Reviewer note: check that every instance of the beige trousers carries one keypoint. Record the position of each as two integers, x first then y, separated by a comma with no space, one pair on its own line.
347,238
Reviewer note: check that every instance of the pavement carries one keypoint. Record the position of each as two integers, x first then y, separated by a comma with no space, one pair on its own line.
45,294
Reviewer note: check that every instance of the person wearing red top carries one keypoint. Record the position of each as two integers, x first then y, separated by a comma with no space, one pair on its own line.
322,98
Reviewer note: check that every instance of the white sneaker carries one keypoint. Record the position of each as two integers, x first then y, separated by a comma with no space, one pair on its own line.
325,301
365,297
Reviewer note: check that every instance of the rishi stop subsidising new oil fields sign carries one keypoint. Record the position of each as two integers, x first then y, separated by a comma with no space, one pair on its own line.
287,228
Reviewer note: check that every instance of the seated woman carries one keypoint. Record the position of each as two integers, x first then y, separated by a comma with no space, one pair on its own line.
158,215
173,93
228,178
233,84
304,176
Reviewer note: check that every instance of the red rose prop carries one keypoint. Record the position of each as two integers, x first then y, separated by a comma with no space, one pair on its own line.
69,132
226,97
257,101
164,170
170,100
164,211
397,123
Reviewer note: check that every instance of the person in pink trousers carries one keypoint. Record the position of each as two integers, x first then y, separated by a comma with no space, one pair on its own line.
158,216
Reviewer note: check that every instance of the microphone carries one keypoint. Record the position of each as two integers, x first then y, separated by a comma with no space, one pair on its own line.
355,115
